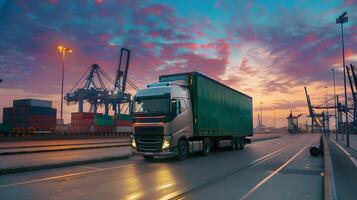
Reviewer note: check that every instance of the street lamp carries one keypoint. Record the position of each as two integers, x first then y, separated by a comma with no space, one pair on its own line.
63,51
261,114
341,20
334,96
326,114
274,117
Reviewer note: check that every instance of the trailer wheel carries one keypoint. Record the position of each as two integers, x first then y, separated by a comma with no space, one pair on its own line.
182,150
235,143
148,157
241,143
215,144
206,150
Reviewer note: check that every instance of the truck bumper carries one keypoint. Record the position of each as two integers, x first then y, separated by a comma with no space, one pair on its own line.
164,153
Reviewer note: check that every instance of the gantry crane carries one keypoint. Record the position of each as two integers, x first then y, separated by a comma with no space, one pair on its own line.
317,120
353,85
293,123
95,92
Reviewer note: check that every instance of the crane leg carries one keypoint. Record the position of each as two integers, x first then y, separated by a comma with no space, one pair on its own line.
106,109
80,105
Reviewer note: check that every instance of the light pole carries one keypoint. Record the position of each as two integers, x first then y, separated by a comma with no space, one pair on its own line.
63,51
327,122
261,114
274,117
334,96
341,20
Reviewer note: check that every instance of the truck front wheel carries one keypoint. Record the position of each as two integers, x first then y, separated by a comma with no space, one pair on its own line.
182,150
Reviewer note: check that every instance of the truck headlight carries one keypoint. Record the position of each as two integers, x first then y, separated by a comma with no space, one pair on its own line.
166,143
133,143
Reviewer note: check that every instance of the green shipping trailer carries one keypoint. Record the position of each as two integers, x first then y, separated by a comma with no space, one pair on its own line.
189,112
218,110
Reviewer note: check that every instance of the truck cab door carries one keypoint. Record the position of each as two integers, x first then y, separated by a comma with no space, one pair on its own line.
181,124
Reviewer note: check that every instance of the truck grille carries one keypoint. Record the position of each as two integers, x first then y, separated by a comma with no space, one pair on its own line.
149,144
149,139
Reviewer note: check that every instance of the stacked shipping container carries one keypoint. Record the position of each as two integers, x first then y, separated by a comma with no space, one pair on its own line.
123,123
81,122
91,122
30,115
123,120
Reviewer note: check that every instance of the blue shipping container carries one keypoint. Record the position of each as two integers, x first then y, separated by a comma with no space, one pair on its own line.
32,102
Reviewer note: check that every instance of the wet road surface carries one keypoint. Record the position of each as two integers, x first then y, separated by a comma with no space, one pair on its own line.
273,169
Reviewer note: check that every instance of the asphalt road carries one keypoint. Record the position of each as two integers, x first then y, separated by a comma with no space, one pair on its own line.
272,169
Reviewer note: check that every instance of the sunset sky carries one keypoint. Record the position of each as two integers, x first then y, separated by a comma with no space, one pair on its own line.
267,50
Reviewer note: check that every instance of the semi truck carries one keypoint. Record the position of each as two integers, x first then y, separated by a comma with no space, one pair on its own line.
189,112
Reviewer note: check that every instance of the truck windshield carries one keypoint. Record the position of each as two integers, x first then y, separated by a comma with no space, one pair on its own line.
151,106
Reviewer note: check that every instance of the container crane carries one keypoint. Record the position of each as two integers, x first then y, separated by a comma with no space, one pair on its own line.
353,85
95,92
315,118
119,94
293,123
92,91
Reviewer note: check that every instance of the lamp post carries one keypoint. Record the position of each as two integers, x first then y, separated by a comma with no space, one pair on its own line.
341,20
327,114
274,117
63,51
334,96
261,115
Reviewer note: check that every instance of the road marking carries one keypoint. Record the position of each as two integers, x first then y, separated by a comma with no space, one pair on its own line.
170,196
251,164
64,176
134,196
164,186
272,174
353,159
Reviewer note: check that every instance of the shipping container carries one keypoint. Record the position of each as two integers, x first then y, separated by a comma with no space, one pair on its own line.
103,120
29,115
83,115
7,116
32,102
101,129
123,117
123,129
5,128
123,123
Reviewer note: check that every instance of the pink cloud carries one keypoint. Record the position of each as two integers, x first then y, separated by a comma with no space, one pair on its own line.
348,2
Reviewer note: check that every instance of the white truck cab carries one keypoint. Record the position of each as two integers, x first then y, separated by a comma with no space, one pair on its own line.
162,115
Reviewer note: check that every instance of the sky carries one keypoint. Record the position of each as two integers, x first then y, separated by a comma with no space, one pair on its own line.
269,50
